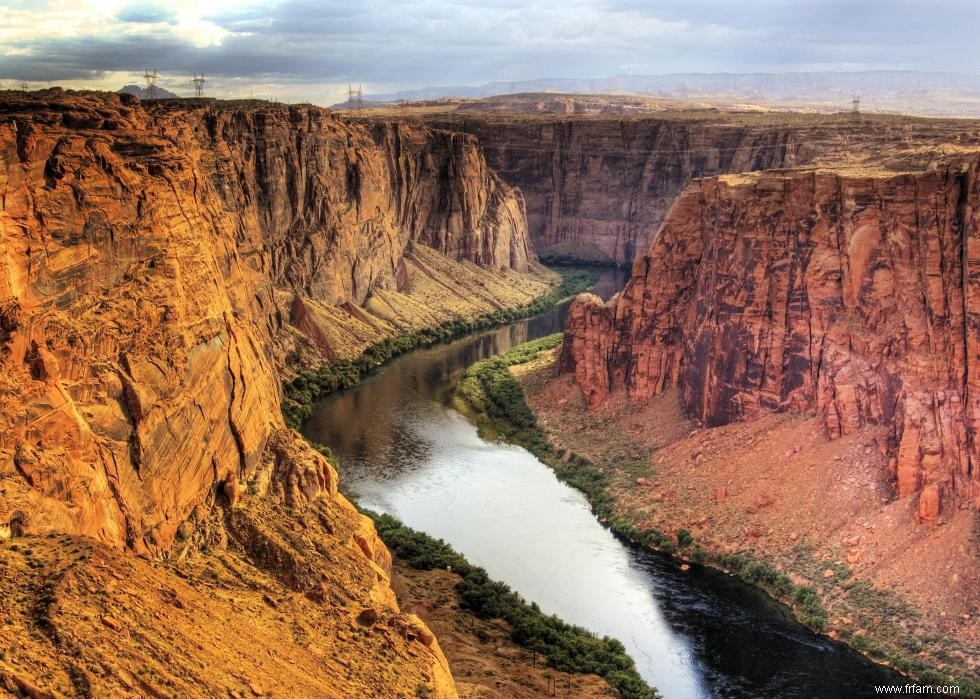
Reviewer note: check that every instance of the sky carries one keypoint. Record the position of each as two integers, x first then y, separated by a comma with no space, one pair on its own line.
309,50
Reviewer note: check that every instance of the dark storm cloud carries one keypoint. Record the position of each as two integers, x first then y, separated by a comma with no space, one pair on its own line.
430,42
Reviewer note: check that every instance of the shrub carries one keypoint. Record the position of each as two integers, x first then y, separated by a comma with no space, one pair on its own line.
567,648
314,385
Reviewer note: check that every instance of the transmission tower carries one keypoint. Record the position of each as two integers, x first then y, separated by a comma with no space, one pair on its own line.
198,81
25,87
151,83
355,100
855,105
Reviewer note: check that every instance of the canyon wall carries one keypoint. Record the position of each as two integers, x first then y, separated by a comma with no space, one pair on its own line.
151,260
851,295
597,189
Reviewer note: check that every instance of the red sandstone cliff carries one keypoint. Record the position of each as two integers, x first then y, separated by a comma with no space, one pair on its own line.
147,263
849,295
598,188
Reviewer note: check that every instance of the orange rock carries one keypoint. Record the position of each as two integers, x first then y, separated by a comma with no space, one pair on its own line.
581,209
930,501
153,262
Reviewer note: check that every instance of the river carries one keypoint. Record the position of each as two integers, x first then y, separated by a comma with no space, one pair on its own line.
405,451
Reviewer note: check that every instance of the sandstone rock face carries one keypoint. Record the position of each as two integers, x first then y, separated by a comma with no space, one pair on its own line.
851,296
597,189
337,205
147,261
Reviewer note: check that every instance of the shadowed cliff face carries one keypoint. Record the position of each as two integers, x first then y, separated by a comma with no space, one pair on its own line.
851,296
597,189
147,264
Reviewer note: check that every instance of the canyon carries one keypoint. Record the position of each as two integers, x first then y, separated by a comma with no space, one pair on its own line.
843,294
163,266
160,269
794,364
599,173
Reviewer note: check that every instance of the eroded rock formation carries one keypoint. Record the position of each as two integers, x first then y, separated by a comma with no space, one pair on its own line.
598,188
149,265
159,266
850,295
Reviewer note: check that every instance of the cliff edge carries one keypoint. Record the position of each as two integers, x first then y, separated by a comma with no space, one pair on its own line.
851,295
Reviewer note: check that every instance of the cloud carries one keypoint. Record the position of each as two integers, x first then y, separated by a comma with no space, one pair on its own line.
313,47
147,13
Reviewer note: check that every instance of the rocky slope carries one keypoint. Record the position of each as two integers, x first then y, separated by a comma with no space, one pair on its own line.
598,188
158,267
287,594
844,294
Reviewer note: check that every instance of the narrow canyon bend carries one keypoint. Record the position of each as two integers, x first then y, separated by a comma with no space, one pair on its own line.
166,266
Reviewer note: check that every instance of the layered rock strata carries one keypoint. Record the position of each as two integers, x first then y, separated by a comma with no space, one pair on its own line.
598,188
159,268
151,261
853,296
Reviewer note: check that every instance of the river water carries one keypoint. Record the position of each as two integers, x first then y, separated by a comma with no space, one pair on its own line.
405,451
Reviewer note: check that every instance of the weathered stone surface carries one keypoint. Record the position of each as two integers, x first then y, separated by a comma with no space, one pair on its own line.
849,295
148,261
598,187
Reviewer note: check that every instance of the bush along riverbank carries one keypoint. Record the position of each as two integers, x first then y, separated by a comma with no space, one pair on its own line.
494,394
567,648
301,392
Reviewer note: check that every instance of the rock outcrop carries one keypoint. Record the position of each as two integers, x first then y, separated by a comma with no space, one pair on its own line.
289,577
598,188
160,266
853,296
150,261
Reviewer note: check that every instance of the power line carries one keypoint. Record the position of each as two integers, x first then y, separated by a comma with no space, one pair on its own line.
355,100
198,81
151,83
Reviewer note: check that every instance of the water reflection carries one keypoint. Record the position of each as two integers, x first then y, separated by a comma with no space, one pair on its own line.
696,634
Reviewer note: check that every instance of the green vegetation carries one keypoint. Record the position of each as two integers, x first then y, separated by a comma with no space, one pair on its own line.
311,386
567,648
490,389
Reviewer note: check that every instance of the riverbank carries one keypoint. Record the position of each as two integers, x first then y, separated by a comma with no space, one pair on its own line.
618,461
566,648
480,622
485,662
310,386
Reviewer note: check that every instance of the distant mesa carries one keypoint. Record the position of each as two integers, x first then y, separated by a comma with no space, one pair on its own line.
912,92
144,93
